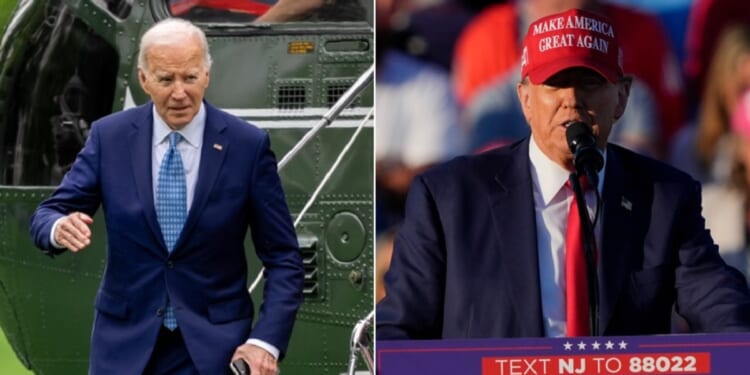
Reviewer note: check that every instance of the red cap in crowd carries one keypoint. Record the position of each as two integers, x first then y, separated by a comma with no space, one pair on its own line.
574,38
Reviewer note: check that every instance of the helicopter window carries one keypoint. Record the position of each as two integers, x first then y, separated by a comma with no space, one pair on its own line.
119,8
291,97
268,11
334,92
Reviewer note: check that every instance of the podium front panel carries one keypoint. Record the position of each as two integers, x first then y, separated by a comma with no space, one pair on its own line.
713,354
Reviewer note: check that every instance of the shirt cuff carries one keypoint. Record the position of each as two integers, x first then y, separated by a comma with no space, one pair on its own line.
265,346
52,234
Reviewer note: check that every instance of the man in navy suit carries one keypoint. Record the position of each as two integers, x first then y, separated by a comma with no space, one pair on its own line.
179,304
482,250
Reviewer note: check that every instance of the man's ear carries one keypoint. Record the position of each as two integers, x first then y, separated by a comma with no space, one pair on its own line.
142,80
623,93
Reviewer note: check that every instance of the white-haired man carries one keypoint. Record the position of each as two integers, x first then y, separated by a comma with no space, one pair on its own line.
179,182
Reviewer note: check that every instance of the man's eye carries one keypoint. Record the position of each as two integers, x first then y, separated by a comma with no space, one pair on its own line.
593,82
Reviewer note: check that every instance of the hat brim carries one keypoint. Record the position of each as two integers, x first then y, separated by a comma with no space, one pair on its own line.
543,72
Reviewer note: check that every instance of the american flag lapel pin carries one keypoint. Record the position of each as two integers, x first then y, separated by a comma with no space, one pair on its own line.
626,204
218,147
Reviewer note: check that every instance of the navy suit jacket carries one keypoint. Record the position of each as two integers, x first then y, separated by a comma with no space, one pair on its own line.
465,262
205,277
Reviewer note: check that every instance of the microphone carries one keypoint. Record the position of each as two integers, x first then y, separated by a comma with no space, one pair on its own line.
587,159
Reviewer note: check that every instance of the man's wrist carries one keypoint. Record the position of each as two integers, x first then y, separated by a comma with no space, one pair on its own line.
52,234
265,346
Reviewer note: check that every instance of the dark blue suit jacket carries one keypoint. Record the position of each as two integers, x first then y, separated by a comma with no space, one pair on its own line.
205,277
465,262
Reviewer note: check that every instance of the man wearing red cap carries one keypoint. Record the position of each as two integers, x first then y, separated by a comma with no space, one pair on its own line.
489,48
491,248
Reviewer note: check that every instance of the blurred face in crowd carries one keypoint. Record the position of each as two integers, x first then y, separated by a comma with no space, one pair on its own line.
738,84
176,78
740,127
575,94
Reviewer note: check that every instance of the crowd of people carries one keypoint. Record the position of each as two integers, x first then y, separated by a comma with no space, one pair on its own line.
451,90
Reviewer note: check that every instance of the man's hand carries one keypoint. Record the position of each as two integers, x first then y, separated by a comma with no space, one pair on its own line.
73,231
260,361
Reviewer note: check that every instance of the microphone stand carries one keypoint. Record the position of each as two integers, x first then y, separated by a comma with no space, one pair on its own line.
589,250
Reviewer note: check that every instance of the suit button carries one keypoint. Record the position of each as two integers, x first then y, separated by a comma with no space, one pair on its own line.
160,312
170,264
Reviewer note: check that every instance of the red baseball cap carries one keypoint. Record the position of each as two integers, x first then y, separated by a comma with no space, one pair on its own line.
574,38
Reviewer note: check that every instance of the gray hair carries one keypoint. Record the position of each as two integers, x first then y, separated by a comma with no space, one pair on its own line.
171,31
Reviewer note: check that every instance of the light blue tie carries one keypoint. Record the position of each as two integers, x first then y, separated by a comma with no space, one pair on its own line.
171,204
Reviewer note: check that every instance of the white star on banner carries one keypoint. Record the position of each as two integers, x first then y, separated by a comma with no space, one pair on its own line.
568,345
596,345
623,345
609,345
581,345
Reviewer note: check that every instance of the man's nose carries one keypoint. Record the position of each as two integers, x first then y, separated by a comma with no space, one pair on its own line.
178,91
572,97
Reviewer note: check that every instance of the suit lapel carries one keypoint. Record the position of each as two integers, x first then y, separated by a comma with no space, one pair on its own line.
617,221
211,161
140,162
515,226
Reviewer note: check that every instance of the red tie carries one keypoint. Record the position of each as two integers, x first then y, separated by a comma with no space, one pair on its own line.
576,289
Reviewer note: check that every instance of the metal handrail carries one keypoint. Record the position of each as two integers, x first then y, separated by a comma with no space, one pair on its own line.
360,344
346,98
318,189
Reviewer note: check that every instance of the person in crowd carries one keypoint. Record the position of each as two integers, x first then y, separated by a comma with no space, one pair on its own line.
417,117
711,151
697,149
707,22
725,199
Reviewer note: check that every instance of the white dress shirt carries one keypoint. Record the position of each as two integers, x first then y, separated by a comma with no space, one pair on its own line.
551,202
